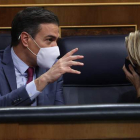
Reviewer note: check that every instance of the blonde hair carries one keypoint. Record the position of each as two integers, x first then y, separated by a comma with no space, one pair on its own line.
133,46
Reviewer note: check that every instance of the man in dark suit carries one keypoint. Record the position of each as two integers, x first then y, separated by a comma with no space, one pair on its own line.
29,72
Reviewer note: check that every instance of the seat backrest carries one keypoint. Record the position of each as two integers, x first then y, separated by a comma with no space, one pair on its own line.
5,40
102,79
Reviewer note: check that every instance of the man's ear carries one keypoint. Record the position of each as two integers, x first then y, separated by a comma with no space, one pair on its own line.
24,37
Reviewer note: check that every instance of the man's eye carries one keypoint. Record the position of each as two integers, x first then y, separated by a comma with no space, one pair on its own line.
50,40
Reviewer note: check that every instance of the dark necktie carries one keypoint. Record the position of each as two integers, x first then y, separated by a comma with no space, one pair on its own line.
30,72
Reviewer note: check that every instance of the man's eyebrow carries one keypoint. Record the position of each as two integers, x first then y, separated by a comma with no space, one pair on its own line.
51,36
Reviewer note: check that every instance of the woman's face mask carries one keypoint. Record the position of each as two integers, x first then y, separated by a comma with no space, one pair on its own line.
46,57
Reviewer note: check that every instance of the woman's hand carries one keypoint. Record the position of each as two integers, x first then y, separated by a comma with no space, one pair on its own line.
133,77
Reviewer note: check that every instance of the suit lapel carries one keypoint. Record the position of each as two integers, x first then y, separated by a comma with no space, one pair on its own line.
8,68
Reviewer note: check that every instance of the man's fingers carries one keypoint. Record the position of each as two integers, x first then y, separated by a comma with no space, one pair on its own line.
68,61
74,57
74,63
73,71
71,52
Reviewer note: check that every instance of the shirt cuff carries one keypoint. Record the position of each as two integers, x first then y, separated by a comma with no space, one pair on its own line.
32,91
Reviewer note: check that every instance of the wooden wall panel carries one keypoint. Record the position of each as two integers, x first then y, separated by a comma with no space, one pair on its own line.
9,131
87,130
82,15
77,31
7,15
97,15
61,1
85,15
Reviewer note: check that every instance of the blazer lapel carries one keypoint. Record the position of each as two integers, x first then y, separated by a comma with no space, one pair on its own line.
8,68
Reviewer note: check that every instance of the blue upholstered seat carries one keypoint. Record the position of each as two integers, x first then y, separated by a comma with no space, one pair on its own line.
102,79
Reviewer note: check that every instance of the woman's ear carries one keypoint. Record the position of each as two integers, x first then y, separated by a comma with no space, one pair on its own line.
24,38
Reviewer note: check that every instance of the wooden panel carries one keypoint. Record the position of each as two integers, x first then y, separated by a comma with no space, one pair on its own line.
76,31
83,15
78,131
9,131
71,131
97,15
7,15
61,1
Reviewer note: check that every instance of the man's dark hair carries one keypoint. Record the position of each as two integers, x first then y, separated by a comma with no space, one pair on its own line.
28,20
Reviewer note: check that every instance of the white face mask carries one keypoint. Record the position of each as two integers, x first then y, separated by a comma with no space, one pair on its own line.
46,56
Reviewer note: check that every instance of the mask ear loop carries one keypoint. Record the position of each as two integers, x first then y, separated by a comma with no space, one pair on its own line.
34,42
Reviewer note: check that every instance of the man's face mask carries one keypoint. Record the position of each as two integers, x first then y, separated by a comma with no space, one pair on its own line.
46,56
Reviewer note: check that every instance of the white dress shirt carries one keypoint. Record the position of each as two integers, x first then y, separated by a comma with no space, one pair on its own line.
21,77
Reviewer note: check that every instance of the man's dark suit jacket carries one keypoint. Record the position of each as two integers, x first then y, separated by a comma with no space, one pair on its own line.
11,96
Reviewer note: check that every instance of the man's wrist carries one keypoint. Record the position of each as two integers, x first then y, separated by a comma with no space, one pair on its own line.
42,82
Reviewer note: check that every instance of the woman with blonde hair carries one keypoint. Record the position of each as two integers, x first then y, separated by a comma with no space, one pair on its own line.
133,71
